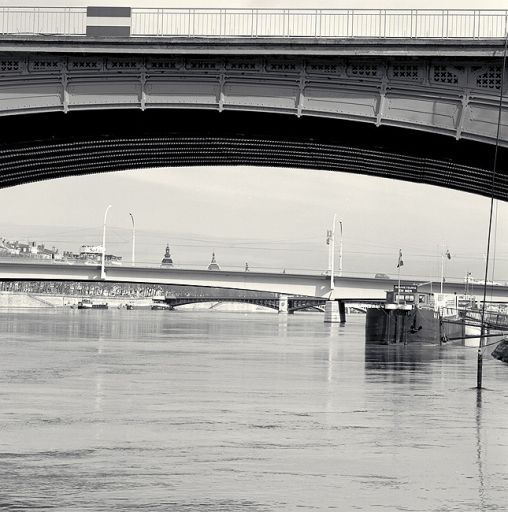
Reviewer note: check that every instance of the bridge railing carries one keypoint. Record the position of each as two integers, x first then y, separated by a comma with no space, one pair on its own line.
67,21
319,23
270,23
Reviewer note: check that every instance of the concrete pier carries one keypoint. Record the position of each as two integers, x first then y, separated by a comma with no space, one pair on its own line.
283,304
332,311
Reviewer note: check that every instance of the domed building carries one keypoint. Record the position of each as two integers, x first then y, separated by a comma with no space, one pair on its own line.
213,264
167,261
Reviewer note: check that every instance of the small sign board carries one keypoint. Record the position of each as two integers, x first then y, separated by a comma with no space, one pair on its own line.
405,288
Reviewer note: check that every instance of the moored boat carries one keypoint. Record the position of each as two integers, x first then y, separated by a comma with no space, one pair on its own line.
409,316
501,351
495,326
89,304
160,307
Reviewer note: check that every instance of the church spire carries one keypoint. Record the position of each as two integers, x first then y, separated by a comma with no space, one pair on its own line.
213,264
167,261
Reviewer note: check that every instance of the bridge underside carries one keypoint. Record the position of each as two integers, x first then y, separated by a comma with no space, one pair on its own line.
110,140
293,303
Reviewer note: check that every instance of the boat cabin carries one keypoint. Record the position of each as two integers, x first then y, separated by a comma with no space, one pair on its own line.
407,297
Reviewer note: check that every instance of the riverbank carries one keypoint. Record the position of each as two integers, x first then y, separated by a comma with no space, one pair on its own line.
39,300
22,300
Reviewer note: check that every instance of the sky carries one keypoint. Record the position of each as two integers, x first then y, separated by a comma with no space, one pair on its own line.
270,218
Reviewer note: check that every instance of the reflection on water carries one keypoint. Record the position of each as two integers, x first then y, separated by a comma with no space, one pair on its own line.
479,458
412,357
141,410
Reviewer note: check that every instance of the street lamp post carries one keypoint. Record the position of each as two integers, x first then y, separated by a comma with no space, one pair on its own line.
340,250
330,240
103,272
133,258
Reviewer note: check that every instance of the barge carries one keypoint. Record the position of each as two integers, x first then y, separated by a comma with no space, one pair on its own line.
88,304
409,316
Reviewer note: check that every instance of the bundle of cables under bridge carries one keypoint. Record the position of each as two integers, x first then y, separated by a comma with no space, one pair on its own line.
50,159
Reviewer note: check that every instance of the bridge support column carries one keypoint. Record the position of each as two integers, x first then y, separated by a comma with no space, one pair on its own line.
342,311
283,304
331,311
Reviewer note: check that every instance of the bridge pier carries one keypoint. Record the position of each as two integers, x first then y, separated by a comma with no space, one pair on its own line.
283,304
331,311
335,311
342,311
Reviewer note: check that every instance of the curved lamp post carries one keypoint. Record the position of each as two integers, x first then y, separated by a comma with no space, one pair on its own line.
330,240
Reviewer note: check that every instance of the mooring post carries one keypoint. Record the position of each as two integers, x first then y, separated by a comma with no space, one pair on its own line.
479,369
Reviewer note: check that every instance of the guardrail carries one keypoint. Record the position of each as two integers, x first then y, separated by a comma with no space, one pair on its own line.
263,23
67,21
319,23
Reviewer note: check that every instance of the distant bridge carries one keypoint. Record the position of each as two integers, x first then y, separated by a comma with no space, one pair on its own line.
347,288
407,94
293,303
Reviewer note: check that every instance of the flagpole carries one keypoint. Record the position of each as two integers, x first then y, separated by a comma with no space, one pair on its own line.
442,271
398,269
332,277
448,256
399,282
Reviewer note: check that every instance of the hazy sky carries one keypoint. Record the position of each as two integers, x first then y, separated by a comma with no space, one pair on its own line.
269,217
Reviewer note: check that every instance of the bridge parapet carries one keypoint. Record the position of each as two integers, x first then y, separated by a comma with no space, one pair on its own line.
255,23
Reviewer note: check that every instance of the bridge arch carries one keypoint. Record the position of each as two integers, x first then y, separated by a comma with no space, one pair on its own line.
119,139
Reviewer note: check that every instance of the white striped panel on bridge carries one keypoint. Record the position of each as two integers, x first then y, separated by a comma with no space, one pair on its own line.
108,21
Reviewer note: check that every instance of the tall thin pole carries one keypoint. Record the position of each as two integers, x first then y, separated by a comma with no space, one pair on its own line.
398,278
340,250
479,365
332,257
103,272
442,272
133,257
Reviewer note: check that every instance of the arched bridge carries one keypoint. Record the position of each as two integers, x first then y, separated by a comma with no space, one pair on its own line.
293,303
409,98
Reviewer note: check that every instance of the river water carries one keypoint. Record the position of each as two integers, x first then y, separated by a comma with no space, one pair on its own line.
186,411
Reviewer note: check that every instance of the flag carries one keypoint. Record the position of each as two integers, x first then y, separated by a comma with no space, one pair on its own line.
448,255
400,263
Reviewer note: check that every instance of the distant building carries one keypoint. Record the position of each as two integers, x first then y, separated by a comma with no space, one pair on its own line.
92,254
28,250
7,248
167,261
213,264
